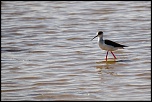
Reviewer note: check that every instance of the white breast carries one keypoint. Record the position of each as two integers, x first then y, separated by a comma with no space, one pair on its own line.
106,47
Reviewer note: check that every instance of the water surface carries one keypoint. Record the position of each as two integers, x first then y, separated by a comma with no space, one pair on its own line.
47,55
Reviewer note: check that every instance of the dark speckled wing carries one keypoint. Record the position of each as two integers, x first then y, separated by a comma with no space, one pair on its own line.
108,42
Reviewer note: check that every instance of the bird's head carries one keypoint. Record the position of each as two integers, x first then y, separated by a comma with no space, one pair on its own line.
99,34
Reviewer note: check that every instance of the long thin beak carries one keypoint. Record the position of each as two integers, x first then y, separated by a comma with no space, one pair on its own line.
94,37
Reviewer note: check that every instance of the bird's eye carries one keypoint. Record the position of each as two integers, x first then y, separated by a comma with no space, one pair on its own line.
100,32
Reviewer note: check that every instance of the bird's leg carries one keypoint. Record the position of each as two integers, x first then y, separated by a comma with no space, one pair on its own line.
113,54
106,55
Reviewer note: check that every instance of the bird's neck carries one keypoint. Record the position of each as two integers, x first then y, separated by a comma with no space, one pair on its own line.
100,39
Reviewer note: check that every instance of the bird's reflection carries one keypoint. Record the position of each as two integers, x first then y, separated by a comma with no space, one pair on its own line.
108,62
107,66
103,65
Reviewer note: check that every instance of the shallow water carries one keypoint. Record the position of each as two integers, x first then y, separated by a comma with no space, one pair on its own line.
46,52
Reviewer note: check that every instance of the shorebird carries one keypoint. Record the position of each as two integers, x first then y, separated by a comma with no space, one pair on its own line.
108,45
